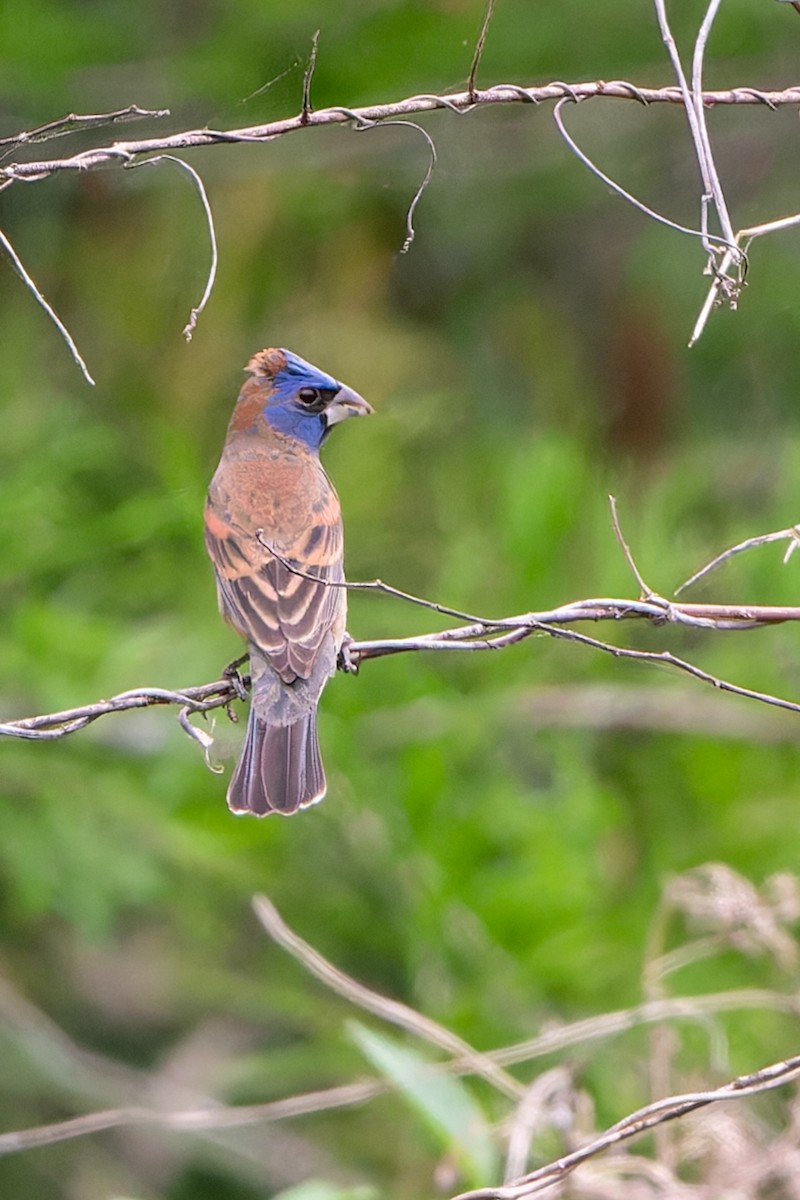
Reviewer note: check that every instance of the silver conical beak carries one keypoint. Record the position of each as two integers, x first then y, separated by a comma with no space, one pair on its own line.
346,403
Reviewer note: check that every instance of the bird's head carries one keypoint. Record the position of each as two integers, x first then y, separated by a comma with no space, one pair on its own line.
298,399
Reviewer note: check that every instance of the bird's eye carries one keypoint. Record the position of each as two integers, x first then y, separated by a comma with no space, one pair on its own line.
308,395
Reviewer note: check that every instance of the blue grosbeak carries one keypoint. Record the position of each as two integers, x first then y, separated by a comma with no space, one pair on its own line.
270,491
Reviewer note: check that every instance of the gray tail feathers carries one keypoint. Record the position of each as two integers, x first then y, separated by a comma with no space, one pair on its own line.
280,769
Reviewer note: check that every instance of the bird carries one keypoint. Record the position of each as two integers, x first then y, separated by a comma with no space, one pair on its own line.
273,531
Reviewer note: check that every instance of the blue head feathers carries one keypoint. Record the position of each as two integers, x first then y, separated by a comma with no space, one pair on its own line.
302,402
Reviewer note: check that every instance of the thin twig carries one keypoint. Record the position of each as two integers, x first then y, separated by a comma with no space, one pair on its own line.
548,1097
651,1012
693,105
703,144
480,634
381,1006
220,1116
645,592
719,285
411,232
270,83
201,698
370,585
189,328
48,308
667,658
479,48
308,75
793,535
191,1120
76,123
570,142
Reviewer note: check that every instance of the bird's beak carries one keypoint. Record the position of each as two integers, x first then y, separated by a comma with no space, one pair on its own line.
346,403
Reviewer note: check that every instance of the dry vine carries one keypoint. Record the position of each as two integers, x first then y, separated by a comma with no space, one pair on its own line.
122,153
726,249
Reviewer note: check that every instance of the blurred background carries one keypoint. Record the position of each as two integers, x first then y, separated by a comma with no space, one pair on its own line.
498,828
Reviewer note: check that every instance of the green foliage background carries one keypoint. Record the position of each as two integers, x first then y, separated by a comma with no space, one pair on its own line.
489,862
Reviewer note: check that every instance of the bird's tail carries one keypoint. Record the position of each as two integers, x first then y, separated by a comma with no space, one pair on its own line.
280,769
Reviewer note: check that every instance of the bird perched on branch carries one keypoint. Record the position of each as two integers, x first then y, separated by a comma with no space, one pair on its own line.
273,529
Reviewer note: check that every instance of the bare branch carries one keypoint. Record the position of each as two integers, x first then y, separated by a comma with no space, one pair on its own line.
479,48
721,287
638,1123
645,592
459,102
211,1116
48,308
703,144
129,153
381,1006
305,110
482,633
191,1120
793,535
73,123
55,725
694,104
219,1116
651,1012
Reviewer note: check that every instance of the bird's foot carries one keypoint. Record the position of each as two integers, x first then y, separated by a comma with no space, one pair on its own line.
240,683
347,660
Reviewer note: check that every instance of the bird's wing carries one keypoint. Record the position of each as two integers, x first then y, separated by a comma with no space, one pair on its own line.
270,598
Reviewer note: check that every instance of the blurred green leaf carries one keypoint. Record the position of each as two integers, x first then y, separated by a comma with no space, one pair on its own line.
443,1101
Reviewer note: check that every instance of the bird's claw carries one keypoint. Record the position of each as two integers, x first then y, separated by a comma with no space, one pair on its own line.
240,683
347,661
